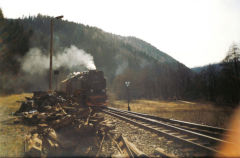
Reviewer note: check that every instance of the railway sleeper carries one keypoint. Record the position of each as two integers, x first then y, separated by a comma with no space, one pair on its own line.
180,123
197,147
176,129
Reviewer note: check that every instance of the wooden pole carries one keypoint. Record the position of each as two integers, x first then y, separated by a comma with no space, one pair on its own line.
51,52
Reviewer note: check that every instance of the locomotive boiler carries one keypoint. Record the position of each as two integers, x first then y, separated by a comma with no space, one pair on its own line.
88,88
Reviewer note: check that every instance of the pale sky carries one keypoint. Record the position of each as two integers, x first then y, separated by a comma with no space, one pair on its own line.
194,32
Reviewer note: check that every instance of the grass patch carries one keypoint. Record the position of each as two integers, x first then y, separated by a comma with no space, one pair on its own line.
202,113
11,135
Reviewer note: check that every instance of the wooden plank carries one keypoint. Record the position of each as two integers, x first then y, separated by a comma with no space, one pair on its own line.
125,147
100,148
160,152
134,149
114,141
122,147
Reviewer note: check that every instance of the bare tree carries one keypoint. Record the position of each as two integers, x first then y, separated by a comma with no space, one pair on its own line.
233,56
1,14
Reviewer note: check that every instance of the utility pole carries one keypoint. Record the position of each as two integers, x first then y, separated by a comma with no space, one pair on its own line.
51,49
56,73
51,52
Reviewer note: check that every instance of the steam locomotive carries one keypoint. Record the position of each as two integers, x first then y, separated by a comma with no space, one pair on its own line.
88,88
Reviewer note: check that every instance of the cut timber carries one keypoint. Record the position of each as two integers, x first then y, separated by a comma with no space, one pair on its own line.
107,126
83,112
160,152
100,148
51,144
66,120
52,134
42,116
134,149
128,149
43,125
65,128
33,146
97,119
115,142
119,155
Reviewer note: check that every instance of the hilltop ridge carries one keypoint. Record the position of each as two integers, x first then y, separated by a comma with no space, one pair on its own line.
152,72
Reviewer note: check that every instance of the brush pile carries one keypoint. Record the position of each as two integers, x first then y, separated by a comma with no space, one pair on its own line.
63,127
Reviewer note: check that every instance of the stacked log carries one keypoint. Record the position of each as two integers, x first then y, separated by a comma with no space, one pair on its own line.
63,127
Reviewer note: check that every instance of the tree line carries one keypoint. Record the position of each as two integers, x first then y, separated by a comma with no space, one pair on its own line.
152,73
220,83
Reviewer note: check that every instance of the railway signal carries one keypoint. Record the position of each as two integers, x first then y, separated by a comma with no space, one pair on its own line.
127,83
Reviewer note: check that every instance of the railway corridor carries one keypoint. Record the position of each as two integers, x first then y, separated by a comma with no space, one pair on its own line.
174,137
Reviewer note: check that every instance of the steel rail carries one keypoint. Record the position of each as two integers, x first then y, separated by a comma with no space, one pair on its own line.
204,129
154,125
174,128
163,133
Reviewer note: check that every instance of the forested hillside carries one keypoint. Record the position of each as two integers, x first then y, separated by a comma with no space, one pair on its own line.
218,66
14,43
152,73
220,82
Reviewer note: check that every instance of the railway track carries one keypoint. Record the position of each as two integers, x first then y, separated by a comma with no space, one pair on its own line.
201,139
203,129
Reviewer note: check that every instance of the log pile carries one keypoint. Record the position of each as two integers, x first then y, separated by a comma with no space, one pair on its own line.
63,127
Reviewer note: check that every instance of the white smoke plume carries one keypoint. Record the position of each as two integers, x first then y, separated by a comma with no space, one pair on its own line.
35,62
121,67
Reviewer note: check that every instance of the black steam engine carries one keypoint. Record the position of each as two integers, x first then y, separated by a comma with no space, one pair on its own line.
88,87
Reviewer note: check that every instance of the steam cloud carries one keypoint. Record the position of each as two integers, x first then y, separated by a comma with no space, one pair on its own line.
121,67
36,62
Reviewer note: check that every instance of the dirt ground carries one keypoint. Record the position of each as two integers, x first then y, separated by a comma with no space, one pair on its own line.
11,135
202,113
